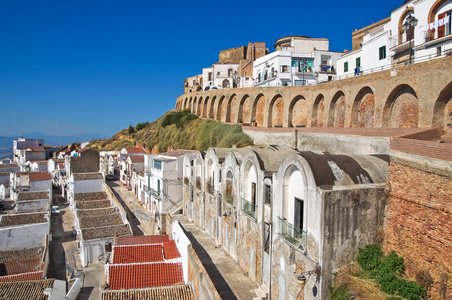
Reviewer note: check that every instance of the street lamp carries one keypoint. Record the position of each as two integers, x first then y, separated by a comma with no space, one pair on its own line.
410,22
303,65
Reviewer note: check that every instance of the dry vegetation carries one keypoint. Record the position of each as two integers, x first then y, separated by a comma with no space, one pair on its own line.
176,130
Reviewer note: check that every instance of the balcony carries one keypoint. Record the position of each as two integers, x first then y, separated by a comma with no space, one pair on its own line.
249,208
327,69
294,235
154,193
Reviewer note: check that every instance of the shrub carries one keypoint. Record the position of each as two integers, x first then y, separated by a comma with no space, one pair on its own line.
370,257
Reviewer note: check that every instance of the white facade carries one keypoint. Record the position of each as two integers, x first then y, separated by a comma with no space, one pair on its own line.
220,75
305,62
347,64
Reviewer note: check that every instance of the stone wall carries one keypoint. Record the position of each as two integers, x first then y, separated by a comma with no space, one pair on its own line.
233,55
418,221
250,247
203,285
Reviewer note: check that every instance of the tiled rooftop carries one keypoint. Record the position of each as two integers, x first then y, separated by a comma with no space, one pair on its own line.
178,292
92,204
107,231
145,275
141,240
88,176
20,219
9,165
40,176
94,221
22,277
137,159
33,195
25,289
18,267
35,149
96,212
170,250
137,254
135,150
23,254
90,196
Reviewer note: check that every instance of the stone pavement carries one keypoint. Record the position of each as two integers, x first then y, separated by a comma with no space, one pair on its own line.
240,284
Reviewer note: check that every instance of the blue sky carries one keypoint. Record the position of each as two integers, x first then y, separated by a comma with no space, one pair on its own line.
70,67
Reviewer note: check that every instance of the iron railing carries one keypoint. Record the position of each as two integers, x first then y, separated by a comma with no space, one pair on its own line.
249,208
294,235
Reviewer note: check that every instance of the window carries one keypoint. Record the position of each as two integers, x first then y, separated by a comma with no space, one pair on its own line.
298,215
210,76
157,164
218,73
229,72
194,82
382,52
253,192
446,28
438,51
158,185
358,62
268,194
346,66
284,68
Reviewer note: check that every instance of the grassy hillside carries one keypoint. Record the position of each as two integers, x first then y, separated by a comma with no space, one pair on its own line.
177,130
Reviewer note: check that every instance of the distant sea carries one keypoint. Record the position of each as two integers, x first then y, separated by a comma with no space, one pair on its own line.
6,142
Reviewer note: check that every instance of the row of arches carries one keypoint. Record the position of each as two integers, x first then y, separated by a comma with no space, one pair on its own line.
401,108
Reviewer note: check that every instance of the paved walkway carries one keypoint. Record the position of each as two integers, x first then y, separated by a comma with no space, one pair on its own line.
239,283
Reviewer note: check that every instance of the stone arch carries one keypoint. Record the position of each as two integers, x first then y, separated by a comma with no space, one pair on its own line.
199,111
406,12
258,110
244,110
442,111
298,112
336,116
226,84
205,109
221,109
432,15
363,111
401,108
276,111
231,109
195,105
318,111
212,108
190,104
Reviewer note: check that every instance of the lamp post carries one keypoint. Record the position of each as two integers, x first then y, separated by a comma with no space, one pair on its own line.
410,22
303,65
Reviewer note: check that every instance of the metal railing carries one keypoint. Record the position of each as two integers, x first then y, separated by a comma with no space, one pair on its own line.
294,235
249,208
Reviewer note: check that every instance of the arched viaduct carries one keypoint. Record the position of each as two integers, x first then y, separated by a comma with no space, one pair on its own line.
418,95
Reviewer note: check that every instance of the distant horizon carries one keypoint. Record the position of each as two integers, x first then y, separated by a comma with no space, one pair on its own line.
81,67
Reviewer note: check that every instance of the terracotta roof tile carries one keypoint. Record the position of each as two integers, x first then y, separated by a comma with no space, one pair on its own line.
40,176
36,149
137,254
30,276
135,150
170,250
179,292
18,267
145,275
25,289
137,159
140,240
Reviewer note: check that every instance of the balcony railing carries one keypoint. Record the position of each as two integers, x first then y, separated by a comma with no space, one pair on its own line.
154,193
249,208
294,235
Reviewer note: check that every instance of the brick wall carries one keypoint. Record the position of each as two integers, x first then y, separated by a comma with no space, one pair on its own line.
418,224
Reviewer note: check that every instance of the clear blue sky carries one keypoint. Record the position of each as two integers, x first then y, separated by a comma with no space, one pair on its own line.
69,67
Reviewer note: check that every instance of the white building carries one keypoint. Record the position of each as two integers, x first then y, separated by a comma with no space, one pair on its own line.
297,61
392,43
220,75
